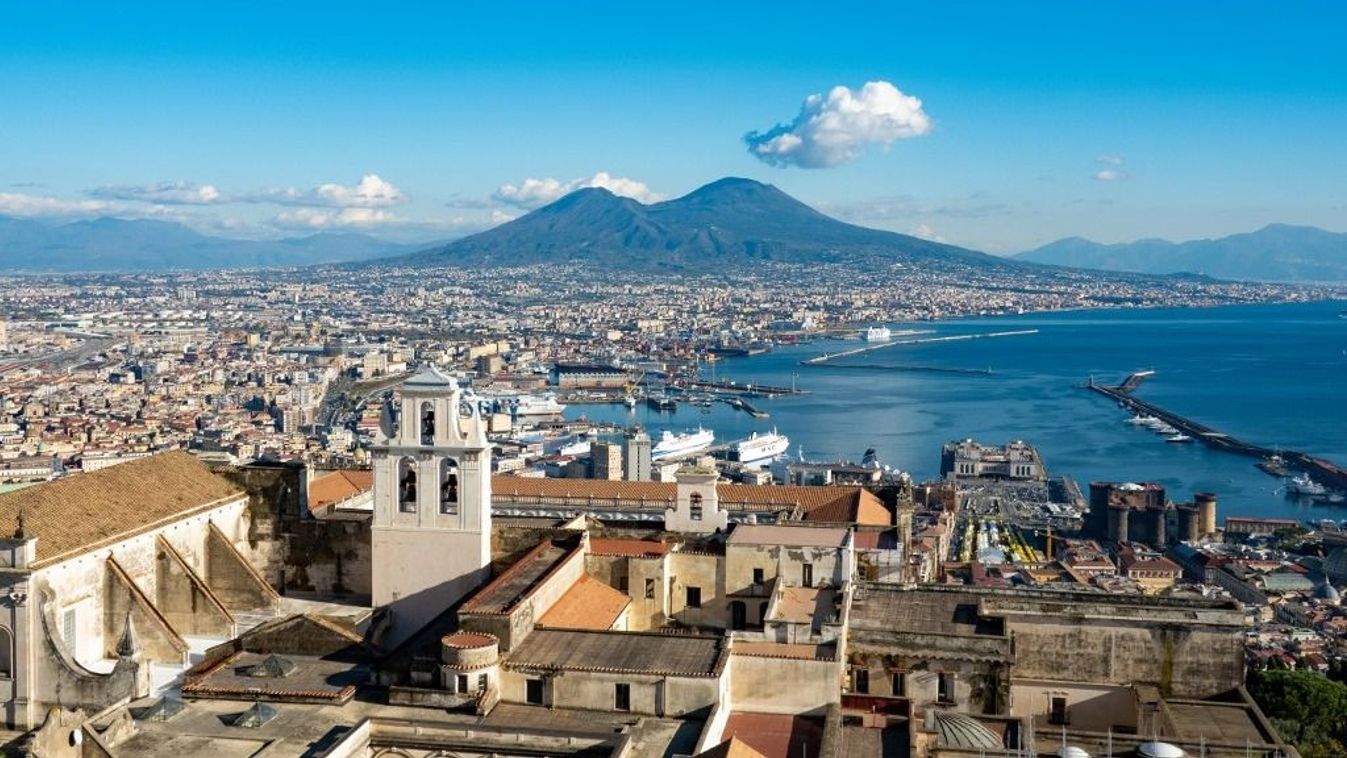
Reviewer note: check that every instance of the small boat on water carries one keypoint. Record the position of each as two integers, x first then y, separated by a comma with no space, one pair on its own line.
1140,420
1301,485
1178,438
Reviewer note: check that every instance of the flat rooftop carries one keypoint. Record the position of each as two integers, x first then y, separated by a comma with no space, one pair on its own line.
311,679
304,729
620,652
949,613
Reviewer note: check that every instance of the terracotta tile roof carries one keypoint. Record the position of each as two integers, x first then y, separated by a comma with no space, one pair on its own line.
776,735
79,513
620,652
794,651
628,548
335,486
517,582
588,604
853,506
843,502
731,748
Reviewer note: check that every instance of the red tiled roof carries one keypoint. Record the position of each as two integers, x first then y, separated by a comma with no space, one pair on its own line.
629,548
588,604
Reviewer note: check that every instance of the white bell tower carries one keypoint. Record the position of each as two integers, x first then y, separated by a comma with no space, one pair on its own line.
432,504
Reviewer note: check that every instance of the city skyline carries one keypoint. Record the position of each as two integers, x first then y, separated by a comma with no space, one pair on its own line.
988,127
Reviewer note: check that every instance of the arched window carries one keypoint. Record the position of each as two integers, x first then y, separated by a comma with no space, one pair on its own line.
449,486
6,654
407,485
427,423
695,509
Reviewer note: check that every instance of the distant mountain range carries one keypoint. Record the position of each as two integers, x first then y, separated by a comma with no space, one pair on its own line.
111,244
730,222
1278,252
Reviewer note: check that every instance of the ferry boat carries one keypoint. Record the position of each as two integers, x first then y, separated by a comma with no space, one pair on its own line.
689,442
759,448
1301,485
877,334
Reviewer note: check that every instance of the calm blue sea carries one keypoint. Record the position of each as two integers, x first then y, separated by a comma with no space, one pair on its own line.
1273,374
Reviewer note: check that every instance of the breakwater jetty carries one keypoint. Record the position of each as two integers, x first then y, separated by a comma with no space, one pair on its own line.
819,360
1323,471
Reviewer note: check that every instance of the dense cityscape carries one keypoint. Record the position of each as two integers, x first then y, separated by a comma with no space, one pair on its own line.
612,380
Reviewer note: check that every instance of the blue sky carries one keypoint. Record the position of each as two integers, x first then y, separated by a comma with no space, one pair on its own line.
1036,120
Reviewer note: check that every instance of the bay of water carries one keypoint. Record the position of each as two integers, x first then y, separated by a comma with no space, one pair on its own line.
1270,374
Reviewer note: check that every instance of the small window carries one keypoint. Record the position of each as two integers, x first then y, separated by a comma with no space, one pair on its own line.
68,629
694,597
462,684
757,577
622,697
807,575
1058,714
6,653
650,589
898,684
860,681
481,682
696,513
533,694
945,690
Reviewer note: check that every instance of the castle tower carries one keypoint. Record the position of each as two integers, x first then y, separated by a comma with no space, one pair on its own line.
431,535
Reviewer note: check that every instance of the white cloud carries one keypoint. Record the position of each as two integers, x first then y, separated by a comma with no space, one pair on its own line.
40,206
1109,160
372,191
1108,175
345,218
167,193
535,193
833,129
925,232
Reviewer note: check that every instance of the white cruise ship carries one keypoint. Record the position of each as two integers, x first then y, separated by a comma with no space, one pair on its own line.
531,405
689,442
877,334
759,448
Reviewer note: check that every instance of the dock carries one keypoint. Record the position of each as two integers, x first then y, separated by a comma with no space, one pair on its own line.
746,407
820,360
1323,471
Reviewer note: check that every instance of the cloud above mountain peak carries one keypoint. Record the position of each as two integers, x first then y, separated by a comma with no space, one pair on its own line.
535,193
836,128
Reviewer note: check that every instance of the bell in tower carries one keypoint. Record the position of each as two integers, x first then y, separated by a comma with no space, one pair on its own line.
431,532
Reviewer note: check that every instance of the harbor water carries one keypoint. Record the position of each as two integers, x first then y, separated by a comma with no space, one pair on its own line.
1269,374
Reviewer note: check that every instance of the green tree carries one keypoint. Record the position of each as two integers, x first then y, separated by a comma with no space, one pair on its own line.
1310,709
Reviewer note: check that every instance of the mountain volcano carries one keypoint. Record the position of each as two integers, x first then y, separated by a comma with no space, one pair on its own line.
726,223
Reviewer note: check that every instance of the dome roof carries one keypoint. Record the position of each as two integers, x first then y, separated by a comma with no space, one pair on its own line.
1160,750
962,732
1071,751
1327,593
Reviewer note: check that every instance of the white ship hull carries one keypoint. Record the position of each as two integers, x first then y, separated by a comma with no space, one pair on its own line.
538,406
760,448
671,445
